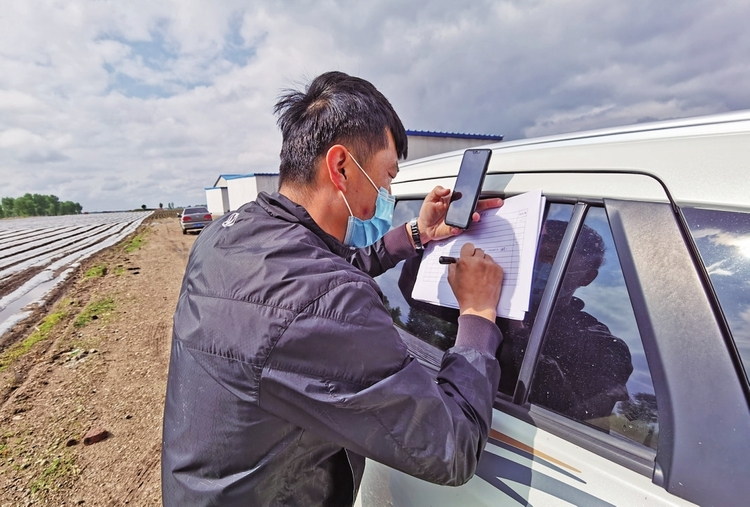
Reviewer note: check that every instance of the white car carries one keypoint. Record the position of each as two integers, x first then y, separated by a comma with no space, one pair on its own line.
626,384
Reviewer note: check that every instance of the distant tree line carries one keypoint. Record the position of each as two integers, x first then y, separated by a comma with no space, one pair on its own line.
37,205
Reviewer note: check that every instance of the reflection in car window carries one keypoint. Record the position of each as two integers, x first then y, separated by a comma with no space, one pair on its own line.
438,325
592,366
432,324
516,333
723,240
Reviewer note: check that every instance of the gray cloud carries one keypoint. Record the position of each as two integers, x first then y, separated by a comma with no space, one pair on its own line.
162,96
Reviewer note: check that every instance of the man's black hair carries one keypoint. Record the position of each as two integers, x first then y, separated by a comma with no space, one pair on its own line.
335,108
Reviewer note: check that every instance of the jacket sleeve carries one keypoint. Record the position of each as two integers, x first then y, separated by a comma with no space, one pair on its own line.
349,379
394,247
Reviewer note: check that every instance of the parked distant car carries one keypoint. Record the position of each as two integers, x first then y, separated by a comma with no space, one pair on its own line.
626,382
194,219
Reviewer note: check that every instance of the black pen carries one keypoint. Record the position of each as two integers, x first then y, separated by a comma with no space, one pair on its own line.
444,259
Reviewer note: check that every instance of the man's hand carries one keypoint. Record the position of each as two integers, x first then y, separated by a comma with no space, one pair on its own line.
431,221
476,281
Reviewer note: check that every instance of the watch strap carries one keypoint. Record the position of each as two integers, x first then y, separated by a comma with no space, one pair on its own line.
415,234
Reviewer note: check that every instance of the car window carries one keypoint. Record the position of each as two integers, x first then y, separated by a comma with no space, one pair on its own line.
433,324
195,211
723,240
592,367
516,333
438,325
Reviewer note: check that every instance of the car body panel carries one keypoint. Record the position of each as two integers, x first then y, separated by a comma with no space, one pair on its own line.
688,354
667,150
642,176
522,465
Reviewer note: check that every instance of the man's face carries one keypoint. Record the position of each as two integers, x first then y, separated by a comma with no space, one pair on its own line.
382,167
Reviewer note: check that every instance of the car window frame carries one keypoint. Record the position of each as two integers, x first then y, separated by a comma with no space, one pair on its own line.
700,422
631,455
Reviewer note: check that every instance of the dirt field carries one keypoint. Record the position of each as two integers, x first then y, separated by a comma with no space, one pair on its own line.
98,360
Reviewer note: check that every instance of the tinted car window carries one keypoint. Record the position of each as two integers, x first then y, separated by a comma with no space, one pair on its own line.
432,324
723,240
438,325
592,366
194,211
516,333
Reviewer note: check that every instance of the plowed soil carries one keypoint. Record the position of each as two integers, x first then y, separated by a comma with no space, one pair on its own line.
102,364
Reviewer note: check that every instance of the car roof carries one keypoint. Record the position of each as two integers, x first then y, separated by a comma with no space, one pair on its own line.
702,161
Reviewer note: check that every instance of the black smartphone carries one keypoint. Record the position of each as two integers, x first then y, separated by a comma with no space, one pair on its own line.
468,185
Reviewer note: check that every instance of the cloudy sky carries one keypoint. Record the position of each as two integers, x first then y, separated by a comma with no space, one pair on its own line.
117,104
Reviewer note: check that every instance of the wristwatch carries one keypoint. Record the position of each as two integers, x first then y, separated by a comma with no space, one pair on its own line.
415,234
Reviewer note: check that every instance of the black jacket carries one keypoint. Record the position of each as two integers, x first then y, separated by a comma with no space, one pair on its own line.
286,371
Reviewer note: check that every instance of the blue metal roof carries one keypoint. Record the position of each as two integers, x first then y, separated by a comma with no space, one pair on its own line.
249,175
228,177
236,176
454,135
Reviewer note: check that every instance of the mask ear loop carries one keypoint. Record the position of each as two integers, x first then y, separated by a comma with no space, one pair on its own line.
363,172
346,202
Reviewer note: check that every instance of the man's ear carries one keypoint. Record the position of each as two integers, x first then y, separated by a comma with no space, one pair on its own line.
335,162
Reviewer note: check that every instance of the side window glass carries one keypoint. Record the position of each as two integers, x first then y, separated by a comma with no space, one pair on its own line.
433,324
438,325
592,366
516,333
723,240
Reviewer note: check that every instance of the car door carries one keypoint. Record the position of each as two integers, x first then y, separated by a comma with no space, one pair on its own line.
604,399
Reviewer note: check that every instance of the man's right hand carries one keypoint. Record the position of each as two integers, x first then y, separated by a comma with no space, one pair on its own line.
476,281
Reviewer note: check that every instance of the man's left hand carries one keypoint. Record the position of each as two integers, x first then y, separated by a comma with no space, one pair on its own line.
431,221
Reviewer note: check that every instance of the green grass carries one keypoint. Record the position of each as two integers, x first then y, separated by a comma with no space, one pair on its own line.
99,309
60,468
96,271
135,243
40,334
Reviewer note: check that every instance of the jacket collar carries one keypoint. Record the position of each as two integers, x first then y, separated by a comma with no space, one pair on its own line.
280,206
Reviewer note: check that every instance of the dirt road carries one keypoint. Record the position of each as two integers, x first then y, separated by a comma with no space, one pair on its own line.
100,361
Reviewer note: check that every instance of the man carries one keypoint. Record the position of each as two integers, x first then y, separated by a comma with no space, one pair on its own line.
286,370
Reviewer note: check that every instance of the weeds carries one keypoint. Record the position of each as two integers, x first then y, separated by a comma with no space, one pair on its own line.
96,271
61,468
135,243
40,334
94,311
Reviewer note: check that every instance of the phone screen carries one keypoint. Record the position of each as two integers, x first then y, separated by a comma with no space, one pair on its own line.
468,185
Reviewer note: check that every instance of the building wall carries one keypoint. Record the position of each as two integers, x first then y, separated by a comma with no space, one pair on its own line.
423,146
217,199
268,183
241,190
